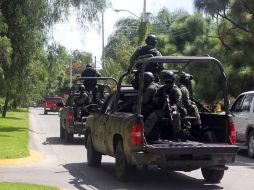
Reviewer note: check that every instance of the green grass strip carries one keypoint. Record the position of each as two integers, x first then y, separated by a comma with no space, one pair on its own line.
14,134
24,186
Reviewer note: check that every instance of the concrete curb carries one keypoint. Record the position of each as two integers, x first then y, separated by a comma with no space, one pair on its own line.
33,158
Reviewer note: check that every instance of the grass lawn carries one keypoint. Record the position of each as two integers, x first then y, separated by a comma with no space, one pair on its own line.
14,135
24,186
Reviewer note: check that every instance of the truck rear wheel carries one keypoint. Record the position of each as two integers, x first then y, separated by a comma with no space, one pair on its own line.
93,157
68,137
212,175
123,168
250,144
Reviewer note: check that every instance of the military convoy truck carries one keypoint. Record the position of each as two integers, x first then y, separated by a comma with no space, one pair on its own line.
119,134
70,123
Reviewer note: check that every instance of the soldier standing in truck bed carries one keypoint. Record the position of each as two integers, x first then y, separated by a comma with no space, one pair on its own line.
90,84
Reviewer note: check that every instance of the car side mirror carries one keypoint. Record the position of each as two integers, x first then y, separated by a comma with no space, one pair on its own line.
92,108
60,104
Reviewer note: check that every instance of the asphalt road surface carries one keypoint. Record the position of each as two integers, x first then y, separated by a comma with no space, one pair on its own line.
65,166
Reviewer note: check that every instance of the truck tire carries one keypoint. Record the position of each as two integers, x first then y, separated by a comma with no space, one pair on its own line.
62,131
68,137
212,175
250,144
93,157
123,169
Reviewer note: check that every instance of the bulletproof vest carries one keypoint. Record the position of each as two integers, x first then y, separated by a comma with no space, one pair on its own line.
145,50
89,83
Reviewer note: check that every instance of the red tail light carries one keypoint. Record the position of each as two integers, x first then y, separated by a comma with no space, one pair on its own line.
70,117
232,133
137,136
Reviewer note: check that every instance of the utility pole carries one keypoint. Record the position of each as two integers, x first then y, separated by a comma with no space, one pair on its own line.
71,72
144,12
102,30
95,62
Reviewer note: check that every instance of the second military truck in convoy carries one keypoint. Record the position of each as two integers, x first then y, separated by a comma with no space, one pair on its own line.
74,111
120,134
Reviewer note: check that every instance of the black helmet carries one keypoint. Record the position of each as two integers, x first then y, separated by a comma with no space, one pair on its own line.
169,76
148,78
82,88
151,40
89,65
185,78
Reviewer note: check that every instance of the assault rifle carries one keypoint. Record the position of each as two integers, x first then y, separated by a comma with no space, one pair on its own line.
167,107
200,105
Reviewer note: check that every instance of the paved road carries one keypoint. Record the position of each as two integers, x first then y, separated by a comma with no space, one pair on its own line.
65,166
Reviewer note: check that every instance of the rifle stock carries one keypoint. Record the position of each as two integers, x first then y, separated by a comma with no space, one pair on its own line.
199,104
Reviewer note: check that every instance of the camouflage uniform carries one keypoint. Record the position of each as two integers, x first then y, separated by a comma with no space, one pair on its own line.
145,50
147,106
190,106
83,99
175,97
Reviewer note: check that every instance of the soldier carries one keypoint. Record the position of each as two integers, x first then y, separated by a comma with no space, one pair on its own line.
191,107
90,84
148,49
100,95
83,99
150,87
148,91
168,98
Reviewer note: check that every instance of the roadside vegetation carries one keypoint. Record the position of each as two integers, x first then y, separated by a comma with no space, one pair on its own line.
24,186
31,65
14,135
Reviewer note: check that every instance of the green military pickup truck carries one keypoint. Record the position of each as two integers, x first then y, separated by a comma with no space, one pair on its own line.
73,116
120,134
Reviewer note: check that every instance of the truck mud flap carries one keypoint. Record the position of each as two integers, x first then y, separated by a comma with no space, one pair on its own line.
176,148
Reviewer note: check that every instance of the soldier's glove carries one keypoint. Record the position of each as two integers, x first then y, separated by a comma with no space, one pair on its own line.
183,112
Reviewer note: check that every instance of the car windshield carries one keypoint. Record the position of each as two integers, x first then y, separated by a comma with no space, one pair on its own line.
54,100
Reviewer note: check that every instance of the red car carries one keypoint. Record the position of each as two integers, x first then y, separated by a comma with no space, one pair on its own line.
50,102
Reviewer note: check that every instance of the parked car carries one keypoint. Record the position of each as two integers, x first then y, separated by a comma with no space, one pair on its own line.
50,104
120,133
243,112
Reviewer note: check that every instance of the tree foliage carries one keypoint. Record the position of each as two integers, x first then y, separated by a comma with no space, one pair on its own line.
23,46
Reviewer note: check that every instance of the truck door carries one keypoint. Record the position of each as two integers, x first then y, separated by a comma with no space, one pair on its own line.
236,110
243,113
245,116
102,123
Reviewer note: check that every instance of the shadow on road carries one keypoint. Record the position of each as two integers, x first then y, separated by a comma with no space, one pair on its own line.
58,141
85,177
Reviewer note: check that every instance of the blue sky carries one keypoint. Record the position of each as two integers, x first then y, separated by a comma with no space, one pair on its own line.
69,35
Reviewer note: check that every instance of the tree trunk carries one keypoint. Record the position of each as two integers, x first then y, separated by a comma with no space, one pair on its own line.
5,106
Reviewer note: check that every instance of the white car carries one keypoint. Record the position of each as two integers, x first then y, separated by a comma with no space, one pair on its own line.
243,116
